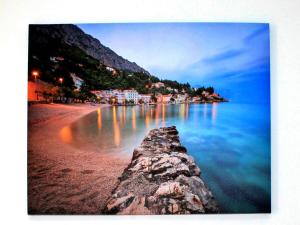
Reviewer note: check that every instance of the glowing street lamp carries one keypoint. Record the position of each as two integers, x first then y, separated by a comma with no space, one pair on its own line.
35,74
60,81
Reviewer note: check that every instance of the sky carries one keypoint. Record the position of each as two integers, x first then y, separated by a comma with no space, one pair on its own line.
234,58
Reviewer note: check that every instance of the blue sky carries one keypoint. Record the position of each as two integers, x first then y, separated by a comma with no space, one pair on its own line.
232,57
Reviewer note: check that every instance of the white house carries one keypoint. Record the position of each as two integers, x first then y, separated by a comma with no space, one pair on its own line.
120,97
77,80
112,70
145,98
158,85
180,98
205,93
131,95
103,94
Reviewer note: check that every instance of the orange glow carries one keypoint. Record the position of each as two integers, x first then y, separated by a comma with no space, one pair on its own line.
66,134
143,111
35,73
163,114
147,119
99,118
117,132
182,110
133,119
187,111
124,114
61,80
214,112
157,114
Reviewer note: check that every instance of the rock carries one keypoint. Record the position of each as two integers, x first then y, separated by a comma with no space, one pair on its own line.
173,189
161,179
119,202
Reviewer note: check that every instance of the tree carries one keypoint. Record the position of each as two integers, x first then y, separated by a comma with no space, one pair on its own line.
210,90
153,98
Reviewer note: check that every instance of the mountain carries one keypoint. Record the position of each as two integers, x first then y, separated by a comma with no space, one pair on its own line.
73,36
58,52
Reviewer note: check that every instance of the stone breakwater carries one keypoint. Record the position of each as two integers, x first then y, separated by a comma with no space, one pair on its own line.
161,179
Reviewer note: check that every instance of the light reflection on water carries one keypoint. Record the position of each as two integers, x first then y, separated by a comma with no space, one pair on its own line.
230,143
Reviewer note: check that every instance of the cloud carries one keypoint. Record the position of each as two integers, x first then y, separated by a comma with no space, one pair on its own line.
256,67
256,33
230,54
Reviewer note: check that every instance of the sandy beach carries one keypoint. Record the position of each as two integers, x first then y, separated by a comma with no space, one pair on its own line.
63,179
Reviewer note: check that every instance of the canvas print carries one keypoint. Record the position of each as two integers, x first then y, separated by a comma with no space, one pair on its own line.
149,118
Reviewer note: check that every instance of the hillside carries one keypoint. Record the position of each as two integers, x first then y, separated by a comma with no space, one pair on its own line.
72,35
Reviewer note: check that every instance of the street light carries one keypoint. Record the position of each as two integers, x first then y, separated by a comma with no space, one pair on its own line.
35,74
61,80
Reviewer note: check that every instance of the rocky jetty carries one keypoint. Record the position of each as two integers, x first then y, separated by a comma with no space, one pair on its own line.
161,179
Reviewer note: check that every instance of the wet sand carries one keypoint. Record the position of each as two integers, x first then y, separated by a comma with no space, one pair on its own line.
61,178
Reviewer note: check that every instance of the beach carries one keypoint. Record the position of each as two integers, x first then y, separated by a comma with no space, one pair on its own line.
63,179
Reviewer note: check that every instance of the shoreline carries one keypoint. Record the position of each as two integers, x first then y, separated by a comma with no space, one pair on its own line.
61,178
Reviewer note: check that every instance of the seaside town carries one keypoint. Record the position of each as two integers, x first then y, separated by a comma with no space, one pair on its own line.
43,92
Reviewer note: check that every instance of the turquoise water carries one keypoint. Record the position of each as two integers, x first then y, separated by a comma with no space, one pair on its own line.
230,142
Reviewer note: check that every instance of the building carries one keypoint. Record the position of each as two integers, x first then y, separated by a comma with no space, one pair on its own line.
145,98
103,94
120,96
196,99
131,95
158,85
77,80
98,93
56,59
166,98
159,98
163,98
205,93
112,70
180,98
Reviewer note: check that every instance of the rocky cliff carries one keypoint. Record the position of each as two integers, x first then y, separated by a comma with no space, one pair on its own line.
74,36
161,179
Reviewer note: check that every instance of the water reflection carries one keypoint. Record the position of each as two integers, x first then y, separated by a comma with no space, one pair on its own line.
205,111
99,118
214,112
163,114
116,128
147,120
182,109
238,143
186,111
133,118
124,114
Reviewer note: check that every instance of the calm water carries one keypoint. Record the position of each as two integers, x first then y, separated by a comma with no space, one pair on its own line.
230,142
